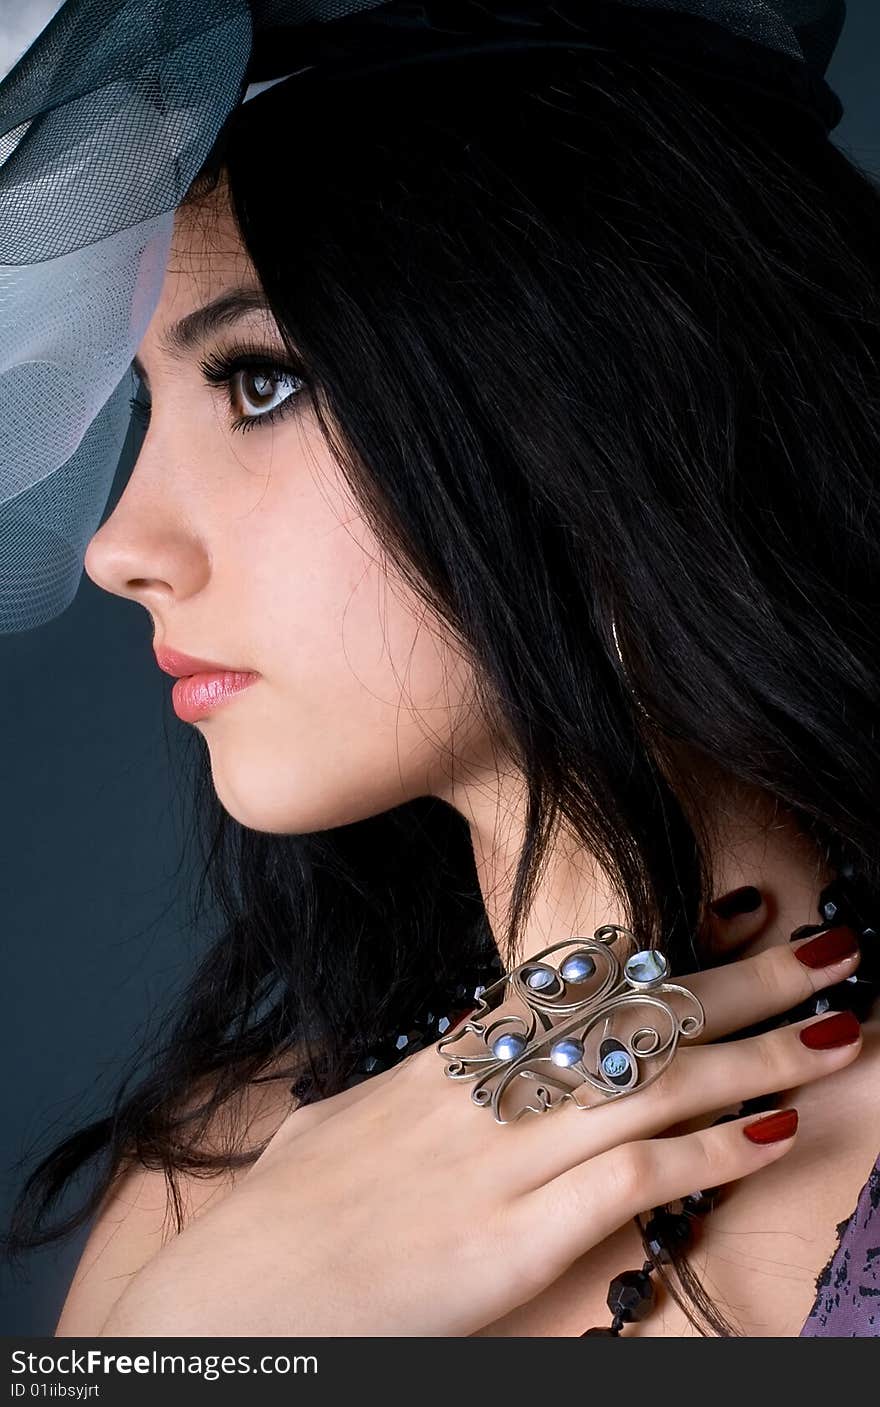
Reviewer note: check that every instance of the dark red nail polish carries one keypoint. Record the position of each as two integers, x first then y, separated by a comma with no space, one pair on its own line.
773,1127
831,946
840,1029
738,901
806,929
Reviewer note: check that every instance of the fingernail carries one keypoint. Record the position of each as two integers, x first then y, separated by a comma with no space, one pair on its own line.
738,901
840,1029
833,945
773,1127
806,929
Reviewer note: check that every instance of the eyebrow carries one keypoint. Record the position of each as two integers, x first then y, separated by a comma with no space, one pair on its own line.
193,329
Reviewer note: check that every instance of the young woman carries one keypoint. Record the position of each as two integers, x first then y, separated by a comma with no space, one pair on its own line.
523,474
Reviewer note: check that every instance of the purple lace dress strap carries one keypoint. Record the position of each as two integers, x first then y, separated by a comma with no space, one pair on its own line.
847,1304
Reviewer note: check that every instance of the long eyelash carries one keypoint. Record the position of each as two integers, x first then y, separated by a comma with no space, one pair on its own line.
218,369
140,412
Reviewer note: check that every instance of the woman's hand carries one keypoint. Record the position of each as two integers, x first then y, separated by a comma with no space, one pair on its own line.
399,1208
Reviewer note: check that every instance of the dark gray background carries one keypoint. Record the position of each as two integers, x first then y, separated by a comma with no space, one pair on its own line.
94,898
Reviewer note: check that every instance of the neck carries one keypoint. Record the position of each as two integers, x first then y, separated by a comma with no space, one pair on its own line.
753,841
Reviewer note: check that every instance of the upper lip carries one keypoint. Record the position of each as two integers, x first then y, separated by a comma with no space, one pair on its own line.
181,665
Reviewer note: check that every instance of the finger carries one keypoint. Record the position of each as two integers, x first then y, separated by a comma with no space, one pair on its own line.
745,914
740,994
698,1081
750,990
549,1226
733,920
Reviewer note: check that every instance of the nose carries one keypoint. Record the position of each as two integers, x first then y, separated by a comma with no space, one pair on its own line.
147,554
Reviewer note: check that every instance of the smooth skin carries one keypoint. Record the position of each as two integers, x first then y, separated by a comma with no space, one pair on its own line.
297,1247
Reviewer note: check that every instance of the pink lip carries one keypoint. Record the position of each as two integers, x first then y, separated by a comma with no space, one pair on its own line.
198,694
202,685
181,665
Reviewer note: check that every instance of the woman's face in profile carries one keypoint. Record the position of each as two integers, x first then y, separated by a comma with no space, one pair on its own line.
247,548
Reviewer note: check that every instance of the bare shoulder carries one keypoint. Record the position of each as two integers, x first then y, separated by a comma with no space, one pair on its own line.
136,1217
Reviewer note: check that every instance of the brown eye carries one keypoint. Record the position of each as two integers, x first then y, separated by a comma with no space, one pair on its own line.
261,391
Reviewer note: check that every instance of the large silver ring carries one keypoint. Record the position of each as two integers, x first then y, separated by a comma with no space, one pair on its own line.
590,1026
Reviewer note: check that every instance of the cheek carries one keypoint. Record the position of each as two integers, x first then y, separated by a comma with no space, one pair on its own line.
339,626
362,695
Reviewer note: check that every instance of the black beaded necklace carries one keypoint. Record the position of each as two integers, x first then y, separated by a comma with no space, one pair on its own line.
668,1232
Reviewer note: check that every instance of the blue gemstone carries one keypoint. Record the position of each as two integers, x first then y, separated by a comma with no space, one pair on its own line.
566,1052
646,967
539,977
508,1046
616,1064
577,967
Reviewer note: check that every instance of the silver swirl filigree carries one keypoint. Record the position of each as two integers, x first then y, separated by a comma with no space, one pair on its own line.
549,1029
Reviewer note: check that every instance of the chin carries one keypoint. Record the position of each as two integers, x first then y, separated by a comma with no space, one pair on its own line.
287,799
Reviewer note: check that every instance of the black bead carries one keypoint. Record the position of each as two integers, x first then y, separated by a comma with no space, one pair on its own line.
454,1015
816,1005
857,996
869,967
830,910
458,1014
600,1333
630,1295
665,1233
831,898
700,1203
853,902
759,1105
409,1041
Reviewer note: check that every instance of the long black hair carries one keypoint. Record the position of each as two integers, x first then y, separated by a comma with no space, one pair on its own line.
595,343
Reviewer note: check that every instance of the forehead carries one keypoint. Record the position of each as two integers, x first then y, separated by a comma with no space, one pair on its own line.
206,253
208,286
206,260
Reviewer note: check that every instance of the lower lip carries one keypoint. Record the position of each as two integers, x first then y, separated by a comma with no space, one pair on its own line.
199,694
